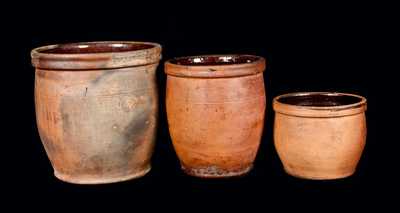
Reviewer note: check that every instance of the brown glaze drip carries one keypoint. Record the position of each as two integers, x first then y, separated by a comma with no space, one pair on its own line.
77,48
214,60
320,100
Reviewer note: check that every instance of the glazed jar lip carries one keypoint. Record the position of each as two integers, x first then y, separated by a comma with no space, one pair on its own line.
95,55
319,104
215,66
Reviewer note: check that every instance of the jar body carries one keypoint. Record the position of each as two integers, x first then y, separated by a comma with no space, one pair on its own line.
97,126
216,123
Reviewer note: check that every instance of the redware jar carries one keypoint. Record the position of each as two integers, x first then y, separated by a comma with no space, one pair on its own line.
96,108
320,135
215,108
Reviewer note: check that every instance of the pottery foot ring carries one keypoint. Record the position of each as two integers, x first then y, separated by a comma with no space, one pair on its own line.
103,180
216,172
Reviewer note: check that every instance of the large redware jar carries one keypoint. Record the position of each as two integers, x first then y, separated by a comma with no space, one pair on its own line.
320,135
96,108
215,108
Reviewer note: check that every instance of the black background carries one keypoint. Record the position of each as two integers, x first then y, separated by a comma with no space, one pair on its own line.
308,47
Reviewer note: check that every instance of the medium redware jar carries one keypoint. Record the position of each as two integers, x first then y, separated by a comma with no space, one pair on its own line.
215,109
96,108
320,135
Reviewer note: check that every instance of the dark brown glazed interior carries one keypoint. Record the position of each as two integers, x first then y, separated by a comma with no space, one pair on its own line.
93,47
214,60
320,100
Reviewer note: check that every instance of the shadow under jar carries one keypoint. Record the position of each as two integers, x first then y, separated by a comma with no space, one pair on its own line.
96,108
215,109
320,135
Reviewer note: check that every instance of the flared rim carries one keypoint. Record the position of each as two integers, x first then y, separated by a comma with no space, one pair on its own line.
319,104
215,66
95,55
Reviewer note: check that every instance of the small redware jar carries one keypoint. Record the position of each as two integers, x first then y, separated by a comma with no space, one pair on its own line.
320,135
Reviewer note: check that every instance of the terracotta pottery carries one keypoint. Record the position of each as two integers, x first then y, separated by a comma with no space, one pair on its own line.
96,108
215,108
320,135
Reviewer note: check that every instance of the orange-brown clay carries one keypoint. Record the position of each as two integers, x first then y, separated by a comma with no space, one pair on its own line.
96,108
319,135
215,107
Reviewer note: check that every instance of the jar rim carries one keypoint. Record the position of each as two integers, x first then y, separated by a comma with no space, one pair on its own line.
319,104
95,55
215,66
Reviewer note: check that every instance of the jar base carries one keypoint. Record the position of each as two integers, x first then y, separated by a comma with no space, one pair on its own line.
307,175
78,180
215,172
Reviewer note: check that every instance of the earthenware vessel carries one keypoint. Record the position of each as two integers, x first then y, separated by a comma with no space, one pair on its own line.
215,109
96,108
320,135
